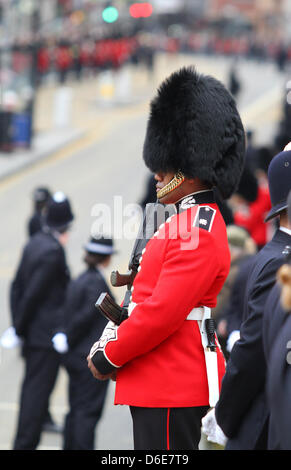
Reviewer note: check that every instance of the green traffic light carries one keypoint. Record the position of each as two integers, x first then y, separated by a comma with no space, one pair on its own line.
110,14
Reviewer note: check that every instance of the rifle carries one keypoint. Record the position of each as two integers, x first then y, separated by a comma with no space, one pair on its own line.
154,215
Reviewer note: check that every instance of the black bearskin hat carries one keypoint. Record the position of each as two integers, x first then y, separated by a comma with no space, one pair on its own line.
194,126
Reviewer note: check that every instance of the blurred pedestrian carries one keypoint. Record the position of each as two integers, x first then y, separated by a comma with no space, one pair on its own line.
43,62
234,82
150,194
37,300
282,57
63,60
41,198
77,63
251,151
242,411
82,323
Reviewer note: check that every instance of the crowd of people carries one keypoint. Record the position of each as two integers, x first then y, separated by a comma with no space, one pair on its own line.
80,55
85,55
88,54
243,45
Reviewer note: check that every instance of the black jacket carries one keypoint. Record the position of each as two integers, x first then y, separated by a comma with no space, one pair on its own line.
82,321
274,318
38,291
242,411
279,386
235,307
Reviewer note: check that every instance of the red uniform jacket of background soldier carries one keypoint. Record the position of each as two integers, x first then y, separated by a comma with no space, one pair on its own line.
158,352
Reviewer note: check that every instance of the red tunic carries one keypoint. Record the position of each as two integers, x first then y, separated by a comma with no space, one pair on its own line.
158,350
254,221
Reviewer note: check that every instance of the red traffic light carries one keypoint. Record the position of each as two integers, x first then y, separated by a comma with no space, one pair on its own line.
141,10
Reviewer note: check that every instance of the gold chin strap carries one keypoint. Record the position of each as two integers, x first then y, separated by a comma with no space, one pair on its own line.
173,184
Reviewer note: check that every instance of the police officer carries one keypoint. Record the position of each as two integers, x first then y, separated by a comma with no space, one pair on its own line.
82,324
242,411
276,335
37,300
194,141
41,198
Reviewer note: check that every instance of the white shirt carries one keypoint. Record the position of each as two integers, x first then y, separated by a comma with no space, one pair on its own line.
286,230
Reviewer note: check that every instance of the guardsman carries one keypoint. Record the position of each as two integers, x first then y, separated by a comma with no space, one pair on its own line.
82,324
194,142
37,300
242,411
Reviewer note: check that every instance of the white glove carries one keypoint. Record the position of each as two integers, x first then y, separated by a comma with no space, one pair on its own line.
233,337
60,343
288,147
9,339
211,429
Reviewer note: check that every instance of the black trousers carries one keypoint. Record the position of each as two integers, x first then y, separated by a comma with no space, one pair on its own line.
86,401
167,428
42,366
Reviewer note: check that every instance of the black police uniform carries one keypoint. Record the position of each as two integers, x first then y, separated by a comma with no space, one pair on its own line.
273,320
279,382
37,298
235,306
83,323
242,411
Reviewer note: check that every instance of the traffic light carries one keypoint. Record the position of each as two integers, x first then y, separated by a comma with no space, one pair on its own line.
110,14
141,10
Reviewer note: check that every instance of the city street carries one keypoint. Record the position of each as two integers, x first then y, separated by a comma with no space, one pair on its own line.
104,163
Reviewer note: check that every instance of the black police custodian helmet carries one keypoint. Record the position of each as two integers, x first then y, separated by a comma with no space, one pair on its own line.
194,126
279,178
100,246
59,214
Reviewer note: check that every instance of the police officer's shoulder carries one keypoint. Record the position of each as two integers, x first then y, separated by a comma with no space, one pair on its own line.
89,277
48,243
85,277
80,282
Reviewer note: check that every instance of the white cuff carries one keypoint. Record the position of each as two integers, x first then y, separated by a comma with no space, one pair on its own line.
233,337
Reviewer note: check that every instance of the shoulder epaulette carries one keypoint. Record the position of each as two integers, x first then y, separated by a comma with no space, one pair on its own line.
205,217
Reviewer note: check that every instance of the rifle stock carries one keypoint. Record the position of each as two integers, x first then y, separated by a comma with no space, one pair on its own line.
119,280
110,309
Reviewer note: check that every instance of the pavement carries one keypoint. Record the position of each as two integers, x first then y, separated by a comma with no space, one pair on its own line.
65,114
